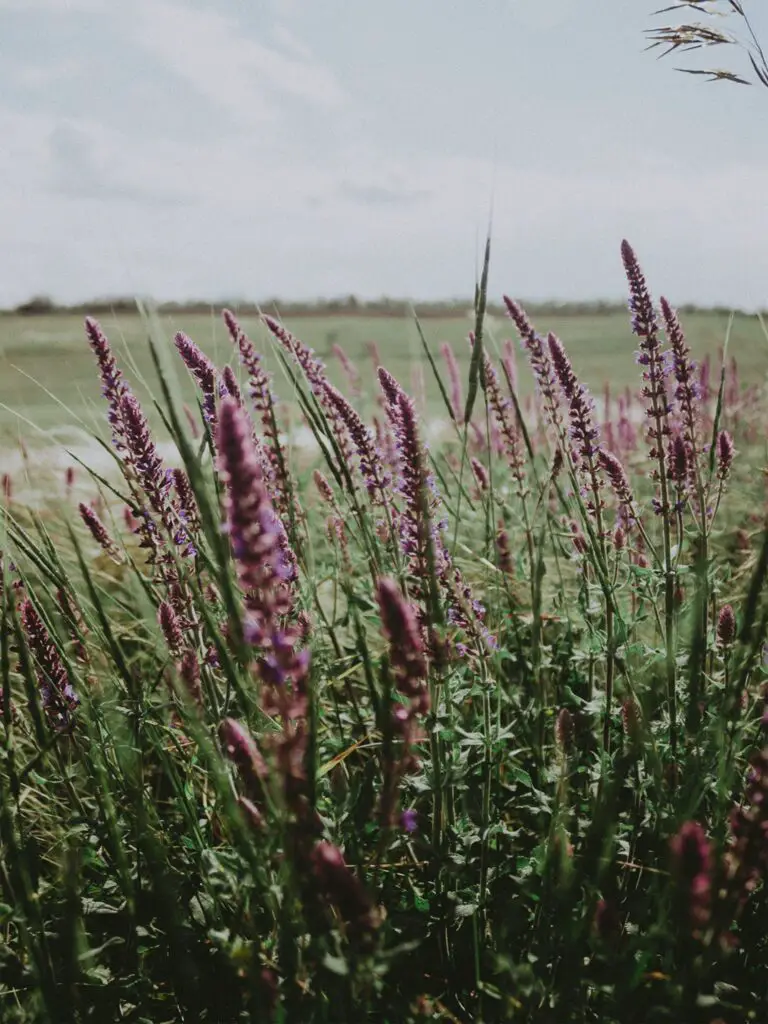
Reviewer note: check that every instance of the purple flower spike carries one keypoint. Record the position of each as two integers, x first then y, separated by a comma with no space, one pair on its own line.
504,415
617,476
645,325
251,523
240,747
372,469
203,370
692,858
171,627
113,386
230,385
189,671
725,453
726,627
400,626
143,455
409,819
99,532
260,393
538,357
342,888
457,398
58,696
584,433
314,371
687,388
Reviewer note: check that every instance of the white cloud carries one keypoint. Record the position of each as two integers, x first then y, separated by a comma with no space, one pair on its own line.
88,164
538,14
54,6
42,76
363,220
211,53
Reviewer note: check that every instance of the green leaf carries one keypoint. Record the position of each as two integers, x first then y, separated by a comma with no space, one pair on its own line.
421,904
336,965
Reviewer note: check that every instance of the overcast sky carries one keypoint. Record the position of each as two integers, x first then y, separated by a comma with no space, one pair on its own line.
304,148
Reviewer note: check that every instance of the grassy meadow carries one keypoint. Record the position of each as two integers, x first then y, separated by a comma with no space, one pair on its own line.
46,355
397,726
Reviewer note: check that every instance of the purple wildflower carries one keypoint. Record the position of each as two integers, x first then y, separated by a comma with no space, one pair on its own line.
251,523
314,371
481,474
370,460
171,627
564,729
229,380
260,393
343,889
418,526
142,454
617,477
687,389
677,460
407,657
631,721
346,364
409,820
324,488
186,504
242,750
189,672
142,457
746,861
58,696
457,400
503,551
99,532
646,327
113,386
692,859
504,415
203,370
265,571
725,453
726,627
509,362
538,357
583,431
400,626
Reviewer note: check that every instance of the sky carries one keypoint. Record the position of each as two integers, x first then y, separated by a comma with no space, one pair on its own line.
246,149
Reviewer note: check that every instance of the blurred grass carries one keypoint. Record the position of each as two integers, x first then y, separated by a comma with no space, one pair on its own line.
50,352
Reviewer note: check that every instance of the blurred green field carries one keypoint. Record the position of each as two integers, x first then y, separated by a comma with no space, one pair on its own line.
45,360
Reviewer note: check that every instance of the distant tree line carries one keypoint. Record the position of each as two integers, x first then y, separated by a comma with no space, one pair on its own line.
350,305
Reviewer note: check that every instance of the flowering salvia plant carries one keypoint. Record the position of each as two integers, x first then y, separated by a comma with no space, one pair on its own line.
388,730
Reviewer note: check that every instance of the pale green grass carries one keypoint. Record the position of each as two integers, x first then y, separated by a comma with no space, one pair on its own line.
49,354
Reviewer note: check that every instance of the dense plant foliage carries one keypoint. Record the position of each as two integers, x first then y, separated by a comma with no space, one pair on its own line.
473,732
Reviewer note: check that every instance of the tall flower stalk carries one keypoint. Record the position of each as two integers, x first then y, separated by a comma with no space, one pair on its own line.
407,659
265,574
57,694
263,401
585,455
204,372
314,371
645,326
